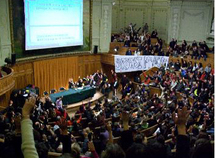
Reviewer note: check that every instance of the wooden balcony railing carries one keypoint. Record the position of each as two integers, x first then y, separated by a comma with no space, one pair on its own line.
7,82
109,58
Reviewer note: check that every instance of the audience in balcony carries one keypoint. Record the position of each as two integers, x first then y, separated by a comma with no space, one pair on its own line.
145,28
128,52
154,34
143,42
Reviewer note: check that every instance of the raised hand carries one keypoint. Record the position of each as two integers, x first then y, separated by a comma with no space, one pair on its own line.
125,116
181,119
28,107
125,120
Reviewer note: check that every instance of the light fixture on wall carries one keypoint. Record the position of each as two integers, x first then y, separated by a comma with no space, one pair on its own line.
116,49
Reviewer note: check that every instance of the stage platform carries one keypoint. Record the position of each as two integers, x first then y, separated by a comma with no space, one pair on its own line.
72,108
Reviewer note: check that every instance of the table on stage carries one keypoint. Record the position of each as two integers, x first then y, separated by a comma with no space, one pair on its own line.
74,95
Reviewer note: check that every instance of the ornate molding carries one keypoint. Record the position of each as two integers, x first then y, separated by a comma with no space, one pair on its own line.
192,14
133,9
162,29
106,17
175,18
91,23
116,10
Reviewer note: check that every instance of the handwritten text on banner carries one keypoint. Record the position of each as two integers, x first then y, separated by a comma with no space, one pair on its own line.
124,63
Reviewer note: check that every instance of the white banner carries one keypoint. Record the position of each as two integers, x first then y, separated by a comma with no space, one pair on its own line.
128,63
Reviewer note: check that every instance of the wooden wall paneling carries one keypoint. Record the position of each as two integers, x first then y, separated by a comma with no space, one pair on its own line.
73,71
23,74
81,66
55,73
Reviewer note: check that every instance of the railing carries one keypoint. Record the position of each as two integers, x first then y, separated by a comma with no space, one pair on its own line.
7,82
109,58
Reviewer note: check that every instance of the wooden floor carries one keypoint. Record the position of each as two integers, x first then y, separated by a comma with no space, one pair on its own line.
72,108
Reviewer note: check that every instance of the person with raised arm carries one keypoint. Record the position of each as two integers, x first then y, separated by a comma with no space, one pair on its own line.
183,142
28,144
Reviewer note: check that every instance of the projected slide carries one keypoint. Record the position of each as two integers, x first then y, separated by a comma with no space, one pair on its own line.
53,23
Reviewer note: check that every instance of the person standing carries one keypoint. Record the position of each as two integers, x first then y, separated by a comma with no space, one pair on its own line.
145,28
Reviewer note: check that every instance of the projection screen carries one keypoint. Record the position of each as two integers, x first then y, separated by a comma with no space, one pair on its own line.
53,23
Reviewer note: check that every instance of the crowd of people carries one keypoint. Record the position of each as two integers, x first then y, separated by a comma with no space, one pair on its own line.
182,115
144,47
93,129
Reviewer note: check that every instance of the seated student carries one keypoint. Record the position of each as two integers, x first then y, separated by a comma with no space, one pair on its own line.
146,51
80,83
206,46
160,41
157,47
186,52
148,39
161,53
128,52
183,45
194,44
177,66
137,52
154,34
195,52
71,83
202,54
208,69
127,41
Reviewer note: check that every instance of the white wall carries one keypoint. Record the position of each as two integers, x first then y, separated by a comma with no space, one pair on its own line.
101,24
5,40
180,19
153,12
190,20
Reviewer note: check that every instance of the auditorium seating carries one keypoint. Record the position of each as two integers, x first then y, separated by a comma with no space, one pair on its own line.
154,41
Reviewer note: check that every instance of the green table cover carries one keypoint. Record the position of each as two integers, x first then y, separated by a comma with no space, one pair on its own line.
73,95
